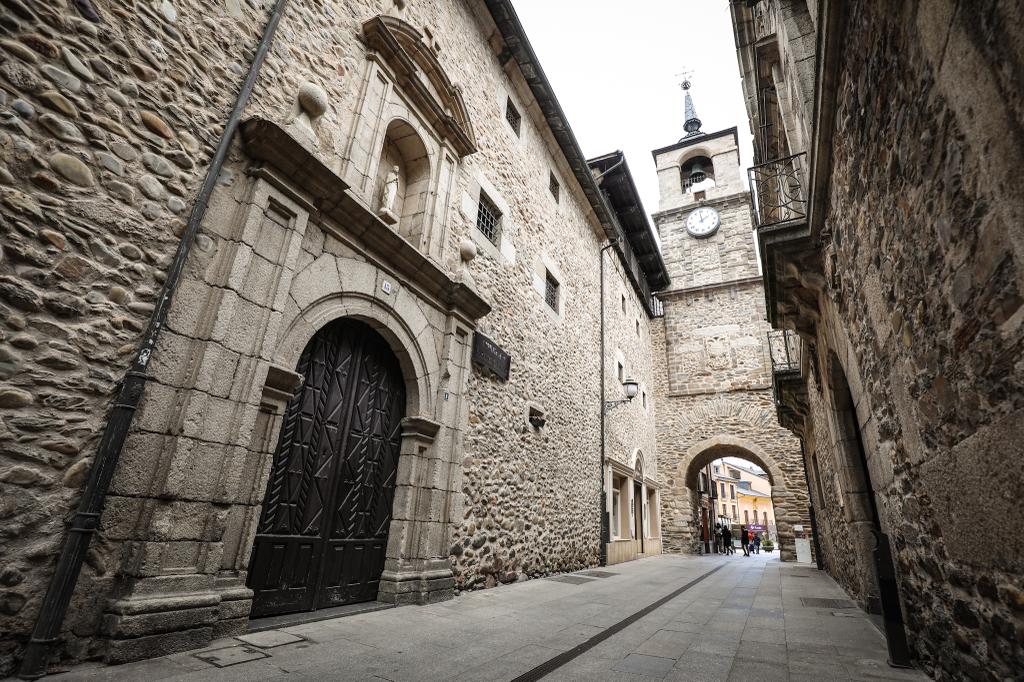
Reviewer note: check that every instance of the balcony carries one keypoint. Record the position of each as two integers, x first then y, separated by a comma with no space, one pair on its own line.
785,349
789,390
776,188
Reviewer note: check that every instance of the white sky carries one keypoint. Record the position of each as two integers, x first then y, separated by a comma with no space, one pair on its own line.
613,66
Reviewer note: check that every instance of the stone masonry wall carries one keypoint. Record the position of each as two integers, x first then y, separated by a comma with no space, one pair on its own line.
108,128
925,314
718,340
630,427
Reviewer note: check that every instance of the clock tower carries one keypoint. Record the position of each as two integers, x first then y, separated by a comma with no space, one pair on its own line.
714,395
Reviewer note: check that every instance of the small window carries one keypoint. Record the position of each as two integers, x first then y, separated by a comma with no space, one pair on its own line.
732,491
488,219
746,516
723,493
553,186
551,291
764,515
735,516
512,116
698,196
638,328
644,395
620,372
623,302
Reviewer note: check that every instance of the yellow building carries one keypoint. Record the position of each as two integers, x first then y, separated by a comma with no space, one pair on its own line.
744,495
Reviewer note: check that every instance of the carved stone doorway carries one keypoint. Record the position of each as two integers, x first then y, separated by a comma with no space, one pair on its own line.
323,532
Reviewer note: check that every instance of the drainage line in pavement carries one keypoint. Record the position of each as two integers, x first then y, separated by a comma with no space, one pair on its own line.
561,659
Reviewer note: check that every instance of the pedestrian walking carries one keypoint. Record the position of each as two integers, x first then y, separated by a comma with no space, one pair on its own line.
757,542
727,540
745,540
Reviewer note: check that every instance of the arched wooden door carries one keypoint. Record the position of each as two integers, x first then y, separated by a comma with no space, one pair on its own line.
322,537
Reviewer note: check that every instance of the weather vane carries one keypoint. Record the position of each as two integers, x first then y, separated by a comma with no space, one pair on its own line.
685,74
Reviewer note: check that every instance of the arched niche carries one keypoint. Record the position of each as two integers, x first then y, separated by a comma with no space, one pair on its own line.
409,111
404,158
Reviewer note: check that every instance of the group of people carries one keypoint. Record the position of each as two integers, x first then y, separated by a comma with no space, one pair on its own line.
749,541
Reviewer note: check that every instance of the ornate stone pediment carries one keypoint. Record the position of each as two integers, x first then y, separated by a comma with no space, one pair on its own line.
422,79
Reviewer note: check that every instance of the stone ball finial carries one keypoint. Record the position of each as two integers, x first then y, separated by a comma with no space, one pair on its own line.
467,250
313,100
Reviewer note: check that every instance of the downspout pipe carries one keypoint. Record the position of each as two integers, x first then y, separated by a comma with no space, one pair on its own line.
605,526
86,519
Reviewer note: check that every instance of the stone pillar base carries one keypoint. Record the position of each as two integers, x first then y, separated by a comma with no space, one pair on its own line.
160,617
406,586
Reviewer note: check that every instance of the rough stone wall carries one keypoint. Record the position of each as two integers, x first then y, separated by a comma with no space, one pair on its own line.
107,131
630,427
717,340
925,315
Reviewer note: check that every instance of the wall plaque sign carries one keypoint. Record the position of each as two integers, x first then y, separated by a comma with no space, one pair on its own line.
490,356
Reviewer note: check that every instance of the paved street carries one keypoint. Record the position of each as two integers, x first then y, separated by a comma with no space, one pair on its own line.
752,619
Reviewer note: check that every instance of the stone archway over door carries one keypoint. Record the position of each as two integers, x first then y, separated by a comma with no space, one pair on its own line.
322,535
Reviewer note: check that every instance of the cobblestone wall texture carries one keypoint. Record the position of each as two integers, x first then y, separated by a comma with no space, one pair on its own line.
107,129
925,313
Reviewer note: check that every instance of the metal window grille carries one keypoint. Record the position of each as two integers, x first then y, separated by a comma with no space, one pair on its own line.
551,292
512,116
553,186
488,219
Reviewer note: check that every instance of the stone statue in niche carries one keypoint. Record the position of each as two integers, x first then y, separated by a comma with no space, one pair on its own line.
388,194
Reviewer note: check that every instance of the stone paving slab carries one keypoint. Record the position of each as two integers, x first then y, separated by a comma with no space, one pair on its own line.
744,622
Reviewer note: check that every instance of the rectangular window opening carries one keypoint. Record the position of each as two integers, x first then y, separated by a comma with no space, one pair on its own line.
512,116
488,219
638,328
623,302
553,186
620,372
551,287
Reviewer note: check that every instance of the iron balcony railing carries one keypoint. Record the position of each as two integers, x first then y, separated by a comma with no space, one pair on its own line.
777,190
784,347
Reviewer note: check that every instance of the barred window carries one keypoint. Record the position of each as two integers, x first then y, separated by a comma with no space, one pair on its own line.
551,292
512,115
553,186
488,219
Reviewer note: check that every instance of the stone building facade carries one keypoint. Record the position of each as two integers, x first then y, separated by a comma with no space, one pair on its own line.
887,140
369,384
714,380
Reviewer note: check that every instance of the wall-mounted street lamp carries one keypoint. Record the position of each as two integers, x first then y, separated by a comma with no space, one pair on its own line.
632,387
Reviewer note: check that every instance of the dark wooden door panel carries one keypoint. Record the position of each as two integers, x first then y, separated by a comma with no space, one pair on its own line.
282,573
322,535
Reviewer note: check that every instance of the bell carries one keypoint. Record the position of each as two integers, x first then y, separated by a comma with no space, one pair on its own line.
697,174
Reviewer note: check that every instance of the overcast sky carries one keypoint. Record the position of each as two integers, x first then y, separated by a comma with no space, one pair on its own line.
613,66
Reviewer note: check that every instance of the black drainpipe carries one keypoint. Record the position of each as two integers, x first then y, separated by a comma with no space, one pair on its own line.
86,519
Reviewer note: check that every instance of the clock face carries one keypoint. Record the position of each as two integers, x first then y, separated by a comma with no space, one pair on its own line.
702,222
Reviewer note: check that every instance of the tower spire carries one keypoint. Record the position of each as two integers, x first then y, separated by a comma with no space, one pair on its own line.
692,123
